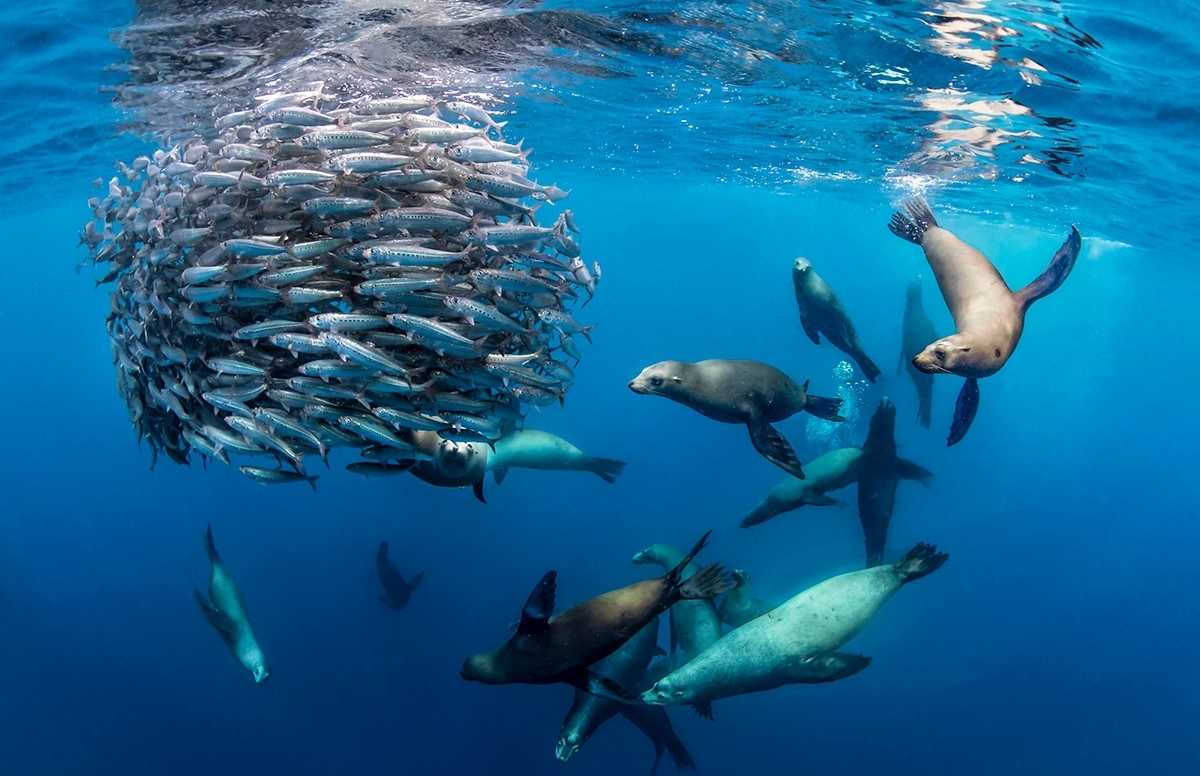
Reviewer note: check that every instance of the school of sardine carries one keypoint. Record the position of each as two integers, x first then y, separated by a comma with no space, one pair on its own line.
312,275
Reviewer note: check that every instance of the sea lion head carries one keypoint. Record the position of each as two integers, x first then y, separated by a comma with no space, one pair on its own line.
257,664
661,379
481,668
455,458
801,267
740,578
649,555
568,744
666,693
942,357
884,419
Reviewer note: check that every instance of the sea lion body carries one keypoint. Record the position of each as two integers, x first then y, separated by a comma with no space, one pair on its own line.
695,624
396,590
533,449
226,611
796,642
739,607
743,392
829,472
822,313
916,333
880,472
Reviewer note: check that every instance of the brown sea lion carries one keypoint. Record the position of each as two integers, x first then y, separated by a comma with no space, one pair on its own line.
748,392
916,333
989,316
548,649
822,313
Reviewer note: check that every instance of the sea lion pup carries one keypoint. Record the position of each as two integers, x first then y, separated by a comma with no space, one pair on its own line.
738,607
695,625
747,392
988,315
396,591
832,471
226,611
627,668
548,649
880,471
532,449
822,313
796,642
917,332
450,464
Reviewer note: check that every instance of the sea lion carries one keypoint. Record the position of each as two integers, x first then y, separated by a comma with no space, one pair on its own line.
832,471
917,332
695,625
548,649
747,392
532,449
738,607
451,464
988,315
627,668
226,611
396,591
880,471
822,313
796,642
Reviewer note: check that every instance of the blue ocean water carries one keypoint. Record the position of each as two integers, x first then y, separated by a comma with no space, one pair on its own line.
705,146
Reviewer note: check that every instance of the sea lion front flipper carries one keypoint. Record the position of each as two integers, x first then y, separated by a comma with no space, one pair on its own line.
772,445
820,500
809,328
416,580
499,473
477,488
1060,266
907,470
823,407
964,411
601,686
215,617
703,709
539,606
866,365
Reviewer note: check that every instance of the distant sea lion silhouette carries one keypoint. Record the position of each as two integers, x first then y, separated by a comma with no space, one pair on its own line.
988,315
916,333
822,313
226,611
396,591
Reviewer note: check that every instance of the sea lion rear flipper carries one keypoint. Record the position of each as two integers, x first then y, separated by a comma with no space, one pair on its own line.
607,469
708,582
416,580
825,408
539,606
210,548
869,370
1060,266
601,686
907,470
964,411
772,445
477,488
920,561
912,226
703,709
215,617
809,328
499,473
387,601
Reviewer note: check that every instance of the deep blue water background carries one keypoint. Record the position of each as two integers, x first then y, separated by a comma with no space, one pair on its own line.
1059,638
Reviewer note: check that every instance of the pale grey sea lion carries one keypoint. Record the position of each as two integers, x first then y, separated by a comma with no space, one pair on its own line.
822,313
738,607
695,624
829,472
226,611
532,449
796,642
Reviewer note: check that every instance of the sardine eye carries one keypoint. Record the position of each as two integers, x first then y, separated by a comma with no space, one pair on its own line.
656,381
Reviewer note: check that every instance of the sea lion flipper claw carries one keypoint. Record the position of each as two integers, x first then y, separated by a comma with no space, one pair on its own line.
774,447
964,411
540,605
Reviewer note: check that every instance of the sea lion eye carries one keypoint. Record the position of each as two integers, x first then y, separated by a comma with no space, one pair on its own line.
940,353
679,693
656,381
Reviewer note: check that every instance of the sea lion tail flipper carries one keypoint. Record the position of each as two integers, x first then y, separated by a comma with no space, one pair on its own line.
826,408
922,560
965,408
708,582
607,469
913,471
477,489
773,446
675,575
210,547
215,617
539,606
499,473
703,710
601,686
1060,266
919,219
415,582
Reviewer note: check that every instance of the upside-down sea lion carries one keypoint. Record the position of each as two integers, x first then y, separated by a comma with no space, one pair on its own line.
451,464
916,333
738,607
748,392
532,449
226,611
822,313
548,649
695,625
832,471
396,591
796,642
879,472
988,315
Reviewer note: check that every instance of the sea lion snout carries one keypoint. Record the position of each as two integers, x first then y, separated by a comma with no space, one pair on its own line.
566,747
801,265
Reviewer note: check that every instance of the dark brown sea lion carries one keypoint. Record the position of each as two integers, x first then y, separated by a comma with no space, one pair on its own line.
822,313
748,392
879,473
916,333
989,315
548,649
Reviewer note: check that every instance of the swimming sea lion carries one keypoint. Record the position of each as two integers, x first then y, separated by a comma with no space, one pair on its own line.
532,449
396,591
549,649
832,471
451,464
796,642
626,667
822,313
695,625
917,332
739,607
988,315
747,392
880,471
226,611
